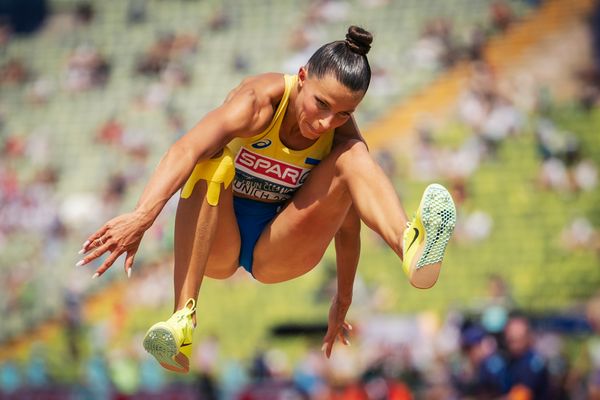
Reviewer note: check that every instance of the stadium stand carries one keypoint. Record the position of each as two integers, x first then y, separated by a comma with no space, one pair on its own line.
104,90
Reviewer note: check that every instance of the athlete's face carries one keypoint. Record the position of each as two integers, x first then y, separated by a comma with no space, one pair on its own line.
323,104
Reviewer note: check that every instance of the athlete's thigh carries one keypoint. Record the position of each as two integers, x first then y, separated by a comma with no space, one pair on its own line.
297,238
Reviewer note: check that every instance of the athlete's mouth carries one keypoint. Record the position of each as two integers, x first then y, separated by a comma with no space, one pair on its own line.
312,130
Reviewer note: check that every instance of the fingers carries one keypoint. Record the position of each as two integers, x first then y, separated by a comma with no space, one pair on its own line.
97,252
129,263
107,263
327,346
347,326
342,333
91,240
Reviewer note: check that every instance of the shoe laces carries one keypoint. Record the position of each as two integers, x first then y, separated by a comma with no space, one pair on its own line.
185,314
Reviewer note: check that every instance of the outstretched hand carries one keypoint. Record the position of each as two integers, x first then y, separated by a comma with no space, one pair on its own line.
337,328
122,234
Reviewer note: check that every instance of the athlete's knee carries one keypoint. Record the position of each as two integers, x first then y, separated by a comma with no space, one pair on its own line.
352,146
352,153
215,172
274,273
264,277
220,272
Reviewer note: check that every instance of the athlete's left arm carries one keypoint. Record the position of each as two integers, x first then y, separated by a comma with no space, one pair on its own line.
347,250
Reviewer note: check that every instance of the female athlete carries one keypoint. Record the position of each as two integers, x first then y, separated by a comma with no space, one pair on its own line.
267,180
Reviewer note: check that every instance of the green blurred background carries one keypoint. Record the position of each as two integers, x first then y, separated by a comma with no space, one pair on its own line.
497,100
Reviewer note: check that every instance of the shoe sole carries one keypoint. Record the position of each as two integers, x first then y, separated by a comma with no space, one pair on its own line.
160,342
438,218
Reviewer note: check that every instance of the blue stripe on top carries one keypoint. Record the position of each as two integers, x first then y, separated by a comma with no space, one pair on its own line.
311,161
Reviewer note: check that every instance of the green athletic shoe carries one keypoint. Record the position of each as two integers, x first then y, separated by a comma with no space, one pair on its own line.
170,341
427,235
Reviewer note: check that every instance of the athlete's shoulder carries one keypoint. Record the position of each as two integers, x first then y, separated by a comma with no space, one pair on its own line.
263,89
252,104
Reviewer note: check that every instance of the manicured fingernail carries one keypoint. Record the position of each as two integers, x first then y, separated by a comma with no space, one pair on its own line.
95,275
129,273
324,347
81,251
80,263
85,244
349,327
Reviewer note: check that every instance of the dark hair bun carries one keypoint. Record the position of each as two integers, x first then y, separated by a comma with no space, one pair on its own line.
359,40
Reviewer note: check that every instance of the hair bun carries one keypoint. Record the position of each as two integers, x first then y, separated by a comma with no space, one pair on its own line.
359,40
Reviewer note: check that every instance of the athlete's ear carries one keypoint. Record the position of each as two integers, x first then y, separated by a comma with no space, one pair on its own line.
302,75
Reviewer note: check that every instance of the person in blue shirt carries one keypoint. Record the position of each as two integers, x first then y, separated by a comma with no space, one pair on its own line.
527,369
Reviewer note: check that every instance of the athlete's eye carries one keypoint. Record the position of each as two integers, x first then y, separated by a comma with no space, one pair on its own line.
321,104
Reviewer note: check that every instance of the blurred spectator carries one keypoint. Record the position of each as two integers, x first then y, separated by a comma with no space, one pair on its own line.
501,15
73,323
241,63
84,13
475,43
36,370
10,378
385,378
96,376
5,34
167,59
111,132
594,23
435,49
585,175
580,235
86,69
589,86
13,72
206,357
40,91
299,39
474,226
563,166
327,11
157,56
497,305
584,380
136,11
269,379
308,375
527,370
220,20
482,372
502,120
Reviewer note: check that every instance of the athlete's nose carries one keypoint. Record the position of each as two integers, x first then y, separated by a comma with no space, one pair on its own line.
326,122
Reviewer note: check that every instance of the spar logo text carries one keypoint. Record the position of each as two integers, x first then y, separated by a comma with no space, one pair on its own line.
273,170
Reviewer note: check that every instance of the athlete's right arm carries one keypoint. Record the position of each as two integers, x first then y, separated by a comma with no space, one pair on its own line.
245,112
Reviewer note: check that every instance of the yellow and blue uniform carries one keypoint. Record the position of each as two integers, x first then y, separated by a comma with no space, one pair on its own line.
267,173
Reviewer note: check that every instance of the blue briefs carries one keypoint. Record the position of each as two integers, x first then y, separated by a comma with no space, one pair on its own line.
252,217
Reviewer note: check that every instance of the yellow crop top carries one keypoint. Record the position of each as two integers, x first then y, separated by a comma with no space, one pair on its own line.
265,169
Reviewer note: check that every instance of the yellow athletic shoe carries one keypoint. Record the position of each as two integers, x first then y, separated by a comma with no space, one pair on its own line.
426,236
170,341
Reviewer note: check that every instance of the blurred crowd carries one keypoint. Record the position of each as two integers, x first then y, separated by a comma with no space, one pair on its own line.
493,351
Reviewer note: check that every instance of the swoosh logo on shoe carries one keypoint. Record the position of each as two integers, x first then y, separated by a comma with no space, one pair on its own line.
185,344
414,239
